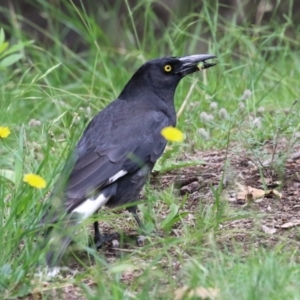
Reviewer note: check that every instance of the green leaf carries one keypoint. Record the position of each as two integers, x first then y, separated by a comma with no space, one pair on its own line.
49,71
9,60
12,49
169,218
8,174
15,48
2,36
19,158
3,46
178,217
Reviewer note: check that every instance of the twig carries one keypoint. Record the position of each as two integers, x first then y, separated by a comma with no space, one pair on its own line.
187,98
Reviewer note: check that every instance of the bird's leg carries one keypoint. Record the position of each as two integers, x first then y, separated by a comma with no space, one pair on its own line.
100,239
140,239
97,237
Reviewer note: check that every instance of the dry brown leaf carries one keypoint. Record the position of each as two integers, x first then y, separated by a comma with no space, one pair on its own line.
201,292
277,194
274,193
290,224
268,230
270,183
249,193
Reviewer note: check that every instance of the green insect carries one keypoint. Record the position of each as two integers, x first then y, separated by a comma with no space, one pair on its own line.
201,66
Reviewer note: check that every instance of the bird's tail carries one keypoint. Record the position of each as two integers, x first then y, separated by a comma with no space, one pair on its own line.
56,241
54,256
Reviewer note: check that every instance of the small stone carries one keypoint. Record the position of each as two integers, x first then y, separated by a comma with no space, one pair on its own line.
268,230
190,188
141,240
115,244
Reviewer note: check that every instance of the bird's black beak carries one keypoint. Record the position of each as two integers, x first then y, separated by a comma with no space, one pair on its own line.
193,63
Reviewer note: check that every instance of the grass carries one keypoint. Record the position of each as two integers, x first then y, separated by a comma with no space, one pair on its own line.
63,90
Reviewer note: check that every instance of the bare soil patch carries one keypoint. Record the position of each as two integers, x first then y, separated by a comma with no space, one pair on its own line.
273,218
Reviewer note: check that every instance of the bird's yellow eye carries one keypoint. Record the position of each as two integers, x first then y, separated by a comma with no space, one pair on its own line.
168,68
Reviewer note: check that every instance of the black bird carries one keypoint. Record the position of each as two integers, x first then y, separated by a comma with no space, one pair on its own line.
118,149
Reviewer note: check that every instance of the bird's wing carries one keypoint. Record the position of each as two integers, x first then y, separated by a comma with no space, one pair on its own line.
127,147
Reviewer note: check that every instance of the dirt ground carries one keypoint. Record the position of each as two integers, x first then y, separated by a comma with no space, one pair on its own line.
264,183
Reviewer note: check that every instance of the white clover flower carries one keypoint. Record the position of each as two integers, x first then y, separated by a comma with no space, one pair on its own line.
223,114
34,123
88,111
246,95
241,106
257,123
210,117
203,133
213,105
204,117
261,109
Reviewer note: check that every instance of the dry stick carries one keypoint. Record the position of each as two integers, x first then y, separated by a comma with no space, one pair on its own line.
187,98
204,77
295,155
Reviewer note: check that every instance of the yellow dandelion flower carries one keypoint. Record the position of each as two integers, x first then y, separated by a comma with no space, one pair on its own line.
4,132
172,134
35,181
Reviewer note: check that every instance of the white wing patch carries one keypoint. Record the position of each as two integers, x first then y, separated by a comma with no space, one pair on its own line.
47,272
90,206
117,176
53,272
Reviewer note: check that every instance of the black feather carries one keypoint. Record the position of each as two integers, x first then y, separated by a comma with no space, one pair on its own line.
125,136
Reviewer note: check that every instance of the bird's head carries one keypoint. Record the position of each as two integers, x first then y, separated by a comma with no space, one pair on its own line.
172,69
163,74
